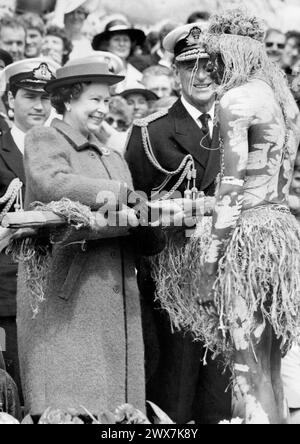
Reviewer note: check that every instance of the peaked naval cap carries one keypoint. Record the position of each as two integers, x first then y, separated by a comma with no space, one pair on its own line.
187,42
30,74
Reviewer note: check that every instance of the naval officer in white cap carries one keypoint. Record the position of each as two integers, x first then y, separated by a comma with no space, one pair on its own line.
159,144
25,82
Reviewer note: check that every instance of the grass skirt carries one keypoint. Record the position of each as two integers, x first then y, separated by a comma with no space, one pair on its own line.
259,272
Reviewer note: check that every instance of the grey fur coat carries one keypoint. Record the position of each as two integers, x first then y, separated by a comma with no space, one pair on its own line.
85,347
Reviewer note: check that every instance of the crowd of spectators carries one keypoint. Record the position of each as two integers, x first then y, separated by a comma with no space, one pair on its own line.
146,65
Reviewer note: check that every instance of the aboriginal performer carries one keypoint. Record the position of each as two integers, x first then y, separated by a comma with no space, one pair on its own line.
244,302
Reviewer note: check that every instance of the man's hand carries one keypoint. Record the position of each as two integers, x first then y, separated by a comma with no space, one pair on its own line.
182,212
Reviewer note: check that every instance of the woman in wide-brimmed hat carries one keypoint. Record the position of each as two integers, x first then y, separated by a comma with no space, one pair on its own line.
84,346
119,37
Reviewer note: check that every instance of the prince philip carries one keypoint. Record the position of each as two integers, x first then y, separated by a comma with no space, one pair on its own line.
158,153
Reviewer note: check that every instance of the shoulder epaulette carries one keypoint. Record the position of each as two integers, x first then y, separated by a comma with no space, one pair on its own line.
149,119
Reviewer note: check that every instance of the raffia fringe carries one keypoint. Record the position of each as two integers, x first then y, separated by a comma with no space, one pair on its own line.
245,58
36,256
76,214
261,265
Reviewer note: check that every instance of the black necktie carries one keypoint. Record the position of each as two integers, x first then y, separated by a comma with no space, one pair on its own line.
204,119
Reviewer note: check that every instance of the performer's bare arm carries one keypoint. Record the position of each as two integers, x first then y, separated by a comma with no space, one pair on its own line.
257,159
234,121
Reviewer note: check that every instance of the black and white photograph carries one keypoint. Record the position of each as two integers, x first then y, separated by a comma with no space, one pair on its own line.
149,214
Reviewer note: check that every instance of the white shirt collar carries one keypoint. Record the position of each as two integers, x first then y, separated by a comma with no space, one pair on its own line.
195,114
19,138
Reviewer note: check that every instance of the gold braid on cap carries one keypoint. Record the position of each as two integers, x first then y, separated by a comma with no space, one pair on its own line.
192,54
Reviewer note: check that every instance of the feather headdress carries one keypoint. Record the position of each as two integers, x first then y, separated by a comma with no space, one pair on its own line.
239,39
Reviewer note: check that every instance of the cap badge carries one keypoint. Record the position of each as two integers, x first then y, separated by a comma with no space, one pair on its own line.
194,37
110,65
42,73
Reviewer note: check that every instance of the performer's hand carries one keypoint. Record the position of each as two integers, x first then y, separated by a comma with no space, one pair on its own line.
197,208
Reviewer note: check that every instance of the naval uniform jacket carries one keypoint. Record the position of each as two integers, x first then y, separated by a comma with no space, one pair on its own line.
11,167
173,136
176,378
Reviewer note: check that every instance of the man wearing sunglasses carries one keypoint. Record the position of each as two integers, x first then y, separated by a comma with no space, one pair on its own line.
275,43
118,124
120,114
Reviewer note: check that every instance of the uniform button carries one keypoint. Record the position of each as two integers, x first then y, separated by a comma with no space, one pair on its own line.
105,151
92,155
117,289
113,254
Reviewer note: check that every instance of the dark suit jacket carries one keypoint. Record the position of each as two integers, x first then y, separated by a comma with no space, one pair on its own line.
3,125
173,136
176,378
11,167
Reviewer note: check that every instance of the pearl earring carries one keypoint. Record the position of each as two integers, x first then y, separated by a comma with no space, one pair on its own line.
68,108
11,113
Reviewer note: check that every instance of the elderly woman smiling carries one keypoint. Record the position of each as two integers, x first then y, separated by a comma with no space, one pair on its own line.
85,346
